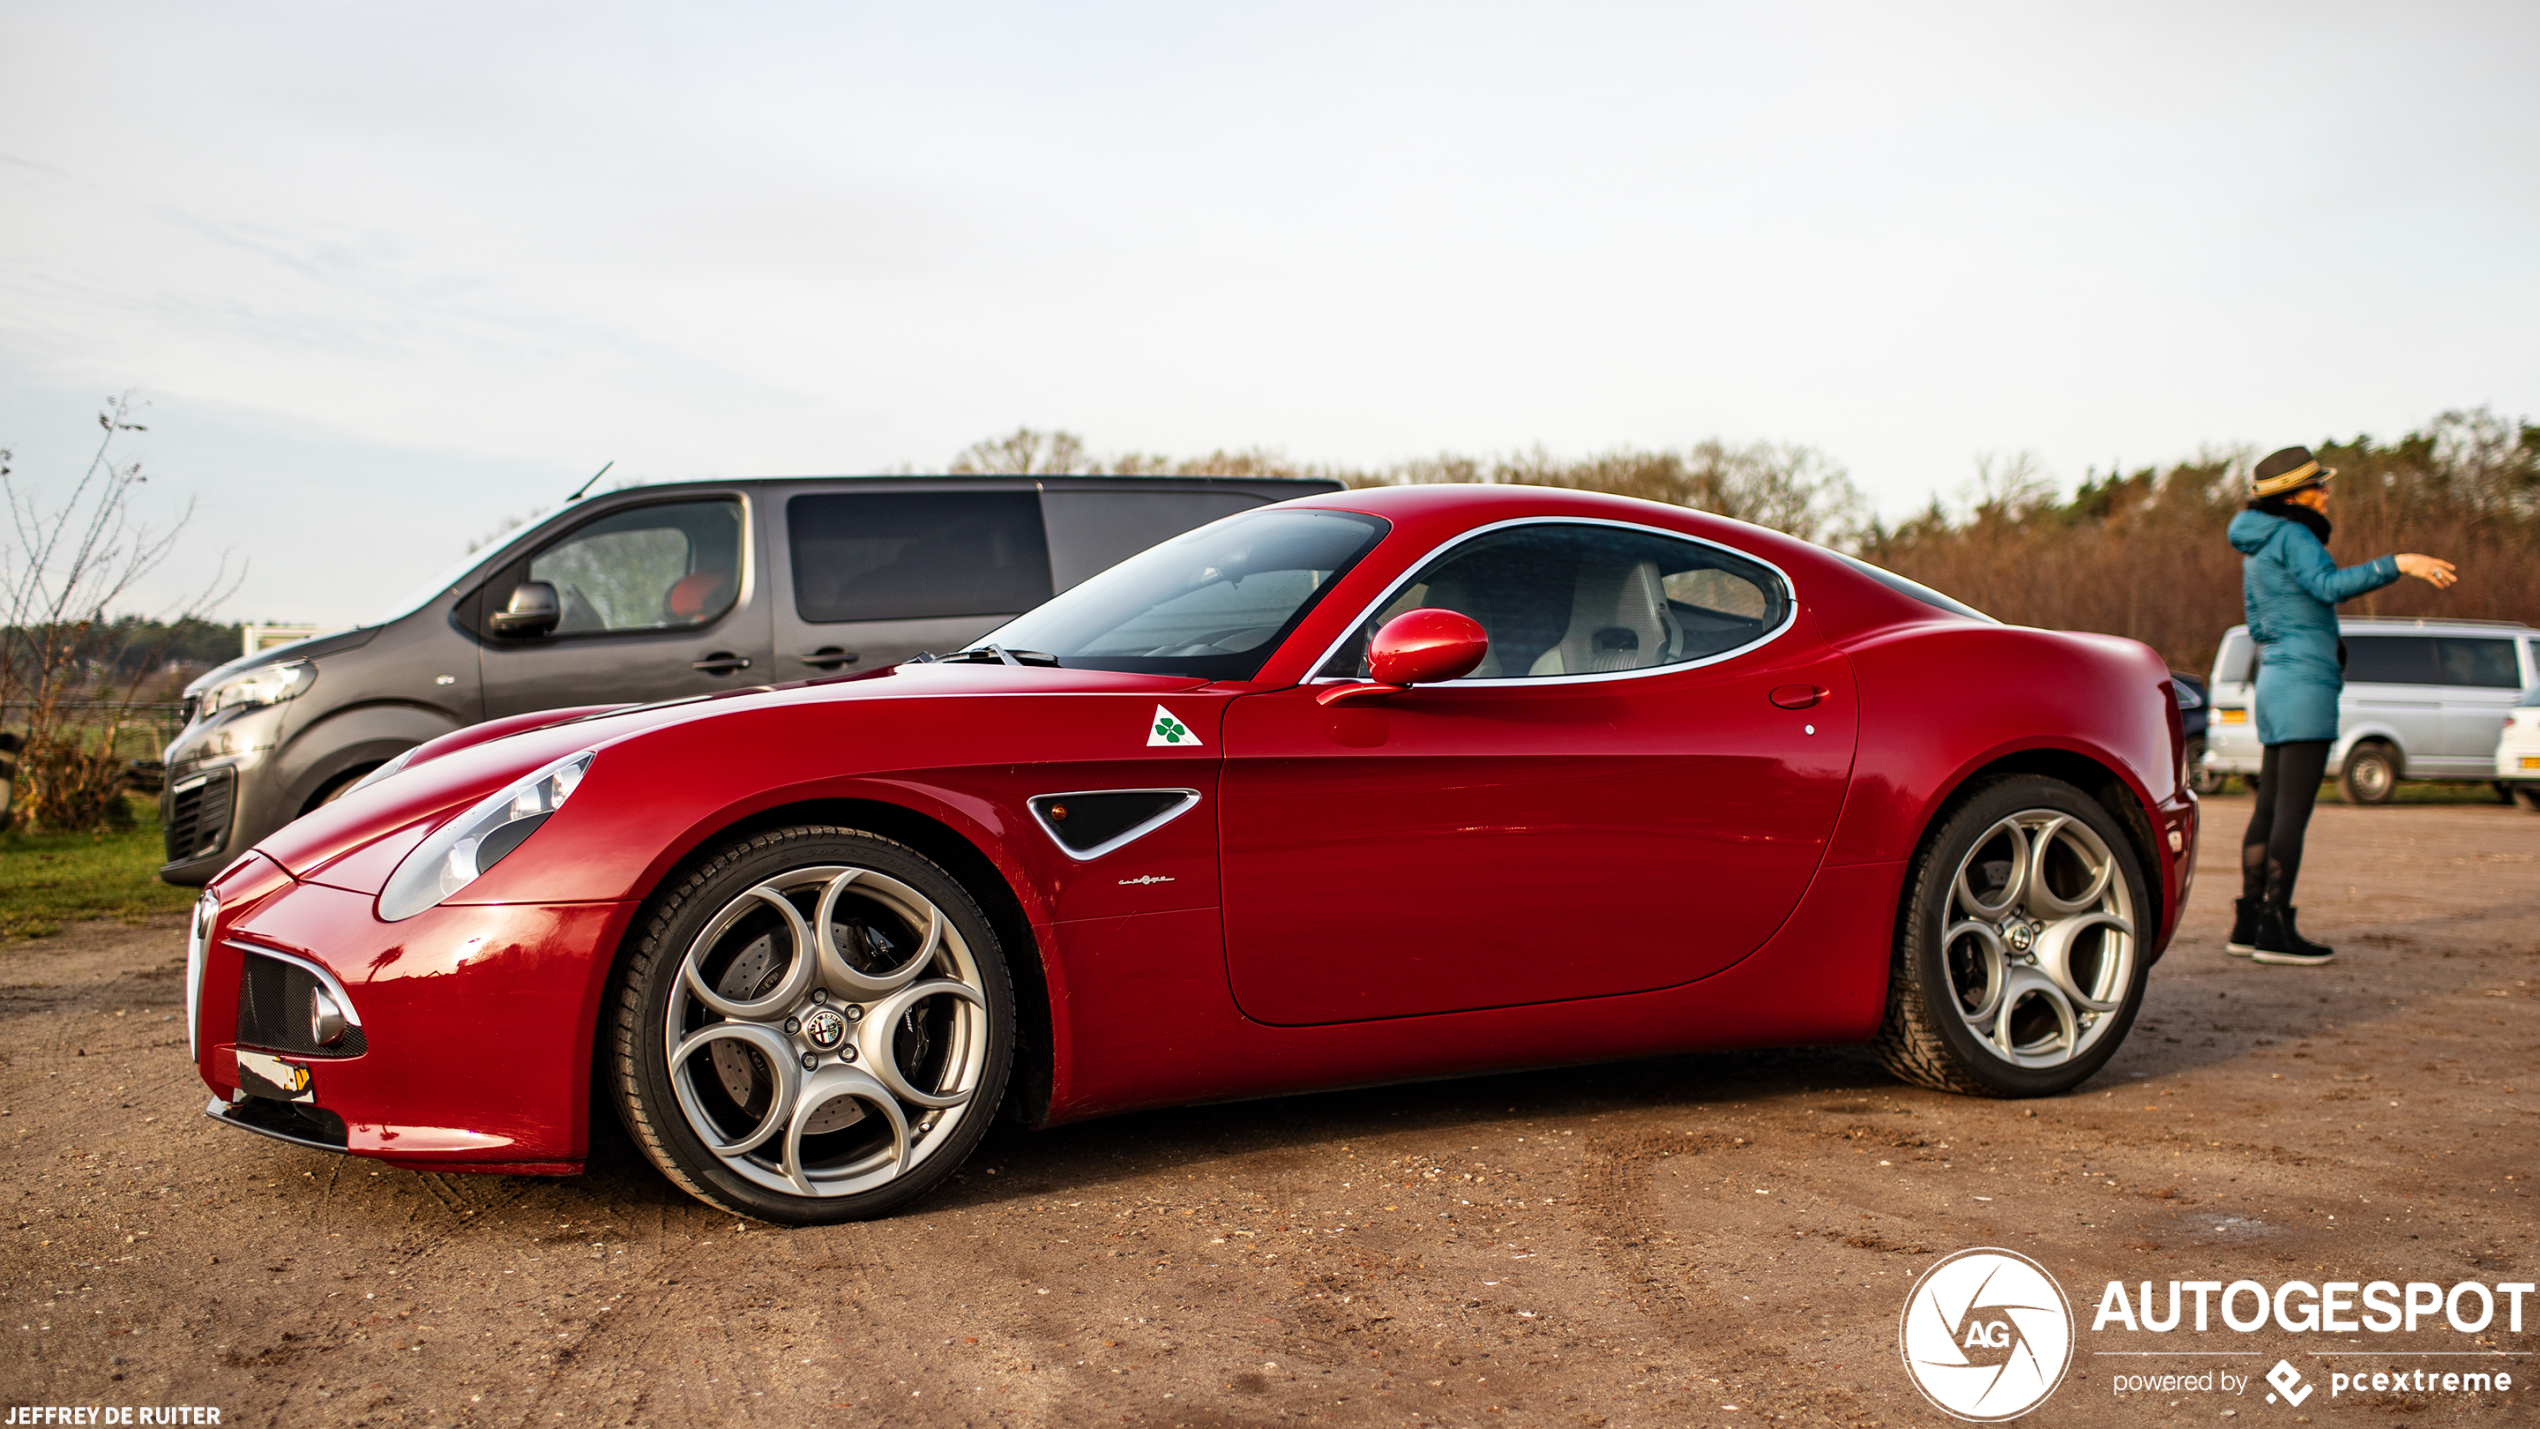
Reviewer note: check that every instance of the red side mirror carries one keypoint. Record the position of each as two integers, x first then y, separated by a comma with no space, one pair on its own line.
1418,647
1422,647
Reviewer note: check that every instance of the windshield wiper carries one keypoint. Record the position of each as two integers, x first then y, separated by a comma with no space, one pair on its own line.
990,655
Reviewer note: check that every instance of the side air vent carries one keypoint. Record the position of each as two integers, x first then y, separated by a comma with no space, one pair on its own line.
284,1006
198,815
1093,822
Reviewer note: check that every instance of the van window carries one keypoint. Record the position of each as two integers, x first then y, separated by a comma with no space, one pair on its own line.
1092,531
2390,660
905,555
2231,667
650,568
2487,664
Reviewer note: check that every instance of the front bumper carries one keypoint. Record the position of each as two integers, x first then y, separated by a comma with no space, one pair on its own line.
470,1043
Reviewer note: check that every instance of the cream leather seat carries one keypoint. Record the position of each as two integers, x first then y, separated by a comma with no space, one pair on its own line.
1618,621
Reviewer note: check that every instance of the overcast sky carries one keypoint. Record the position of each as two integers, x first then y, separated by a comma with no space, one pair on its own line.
389,274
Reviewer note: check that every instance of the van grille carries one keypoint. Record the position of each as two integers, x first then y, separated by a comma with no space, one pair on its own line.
273,1011
198,815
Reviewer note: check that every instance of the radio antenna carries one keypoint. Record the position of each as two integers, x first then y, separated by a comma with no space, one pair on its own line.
603,471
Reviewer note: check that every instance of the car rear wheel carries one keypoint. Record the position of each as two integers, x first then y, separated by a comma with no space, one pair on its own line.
2528,795
2371,775
2020,960
814,1026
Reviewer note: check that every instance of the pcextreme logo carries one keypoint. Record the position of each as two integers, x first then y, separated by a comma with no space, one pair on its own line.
1987,1334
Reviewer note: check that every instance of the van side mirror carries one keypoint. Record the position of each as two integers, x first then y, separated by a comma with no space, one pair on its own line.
1417,647
532,610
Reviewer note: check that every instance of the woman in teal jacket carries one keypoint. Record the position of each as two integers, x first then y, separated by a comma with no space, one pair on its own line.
2291,589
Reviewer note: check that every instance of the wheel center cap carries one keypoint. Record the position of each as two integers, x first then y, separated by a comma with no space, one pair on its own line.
824,1029
2021,936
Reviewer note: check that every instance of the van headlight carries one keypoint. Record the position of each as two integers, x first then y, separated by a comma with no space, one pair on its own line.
458,852
264,685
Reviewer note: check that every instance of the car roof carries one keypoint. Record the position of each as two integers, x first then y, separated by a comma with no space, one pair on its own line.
911,481
2412,625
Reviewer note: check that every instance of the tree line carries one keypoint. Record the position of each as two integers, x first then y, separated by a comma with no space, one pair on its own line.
2136,553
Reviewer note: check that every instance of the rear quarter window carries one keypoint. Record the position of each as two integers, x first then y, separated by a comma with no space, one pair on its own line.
2480,663
2234,663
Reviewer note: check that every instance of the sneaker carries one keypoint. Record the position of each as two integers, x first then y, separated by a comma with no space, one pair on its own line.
2244,928
2281,943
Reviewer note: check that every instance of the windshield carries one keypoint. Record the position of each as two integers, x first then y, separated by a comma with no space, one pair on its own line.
423,594
1211,605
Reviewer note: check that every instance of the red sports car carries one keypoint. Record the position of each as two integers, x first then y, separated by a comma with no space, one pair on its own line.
1364,787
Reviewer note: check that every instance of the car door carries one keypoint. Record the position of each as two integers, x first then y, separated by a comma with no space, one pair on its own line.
656,600
2392,685
2481,680
873,577
1631,792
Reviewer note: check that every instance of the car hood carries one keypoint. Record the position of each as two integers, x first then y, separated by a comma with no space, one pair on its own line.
396,813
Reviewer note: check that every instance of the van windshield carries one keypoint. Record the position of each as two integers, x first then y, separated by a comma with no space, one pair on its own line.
423,595
1211,605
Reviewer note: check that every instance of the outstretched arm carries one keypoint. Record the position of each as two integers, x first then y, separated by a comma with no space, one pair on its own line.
2311,567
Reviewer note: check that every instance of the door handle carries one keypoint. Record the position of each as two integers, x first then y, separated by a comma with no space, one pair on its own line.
829,657
1797,697
721,662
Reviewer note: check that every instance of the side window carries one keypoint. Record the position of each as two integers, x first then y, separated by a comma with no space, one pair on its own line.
906,555
2488,664
1564,599
661,567
2390,660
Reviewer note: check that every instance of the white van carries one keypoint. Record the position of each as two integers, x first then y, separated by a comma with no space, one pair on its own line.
2424,699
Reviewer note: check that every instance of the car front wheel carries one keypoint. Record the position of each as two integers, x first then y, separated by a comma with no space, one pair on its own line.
814,1026
2020,961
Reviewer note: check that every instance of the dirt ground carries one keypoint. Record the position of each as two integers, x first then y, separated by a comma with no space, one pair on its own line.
1700,1240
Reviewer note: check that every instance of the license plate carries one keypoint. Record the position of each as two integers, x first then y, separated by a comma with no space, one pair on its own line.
2531,761
2234,716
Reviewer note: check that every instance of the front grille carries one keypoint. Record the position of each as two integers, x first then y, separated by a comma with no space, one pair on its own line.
198,815
273,1011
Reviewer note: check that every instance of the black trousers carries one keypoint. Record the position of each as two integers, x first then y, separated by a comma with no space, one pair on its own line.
2271,852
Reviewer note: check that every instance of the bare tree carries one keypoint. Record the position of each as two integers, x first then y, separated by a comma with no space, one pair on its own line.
60,568
1026,453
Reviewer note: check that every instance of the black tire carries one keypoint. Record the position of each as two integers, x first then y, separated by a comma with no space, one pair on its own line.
2370,775
2200,778
1925,1039
336,789
2528,795
647,984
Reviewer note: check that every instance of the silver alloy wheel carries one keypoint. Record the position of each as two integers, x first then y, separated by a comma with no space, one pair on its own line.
827,1031
2040,947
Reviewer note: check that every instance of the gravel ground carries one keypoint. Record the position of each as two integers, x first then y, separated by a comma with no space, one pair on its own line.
1699,1240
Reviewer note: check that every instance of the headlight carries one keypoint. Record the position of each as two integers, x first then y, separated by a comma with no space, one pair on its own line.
462,849
264,685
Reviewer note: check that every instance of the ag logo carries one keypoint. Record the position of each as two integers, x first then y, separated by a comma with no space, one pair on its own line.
1169,730
1986,1335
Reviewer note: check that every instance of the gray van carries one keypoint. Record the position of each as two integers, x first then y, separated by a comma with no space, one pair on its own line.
2424,699
654,593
